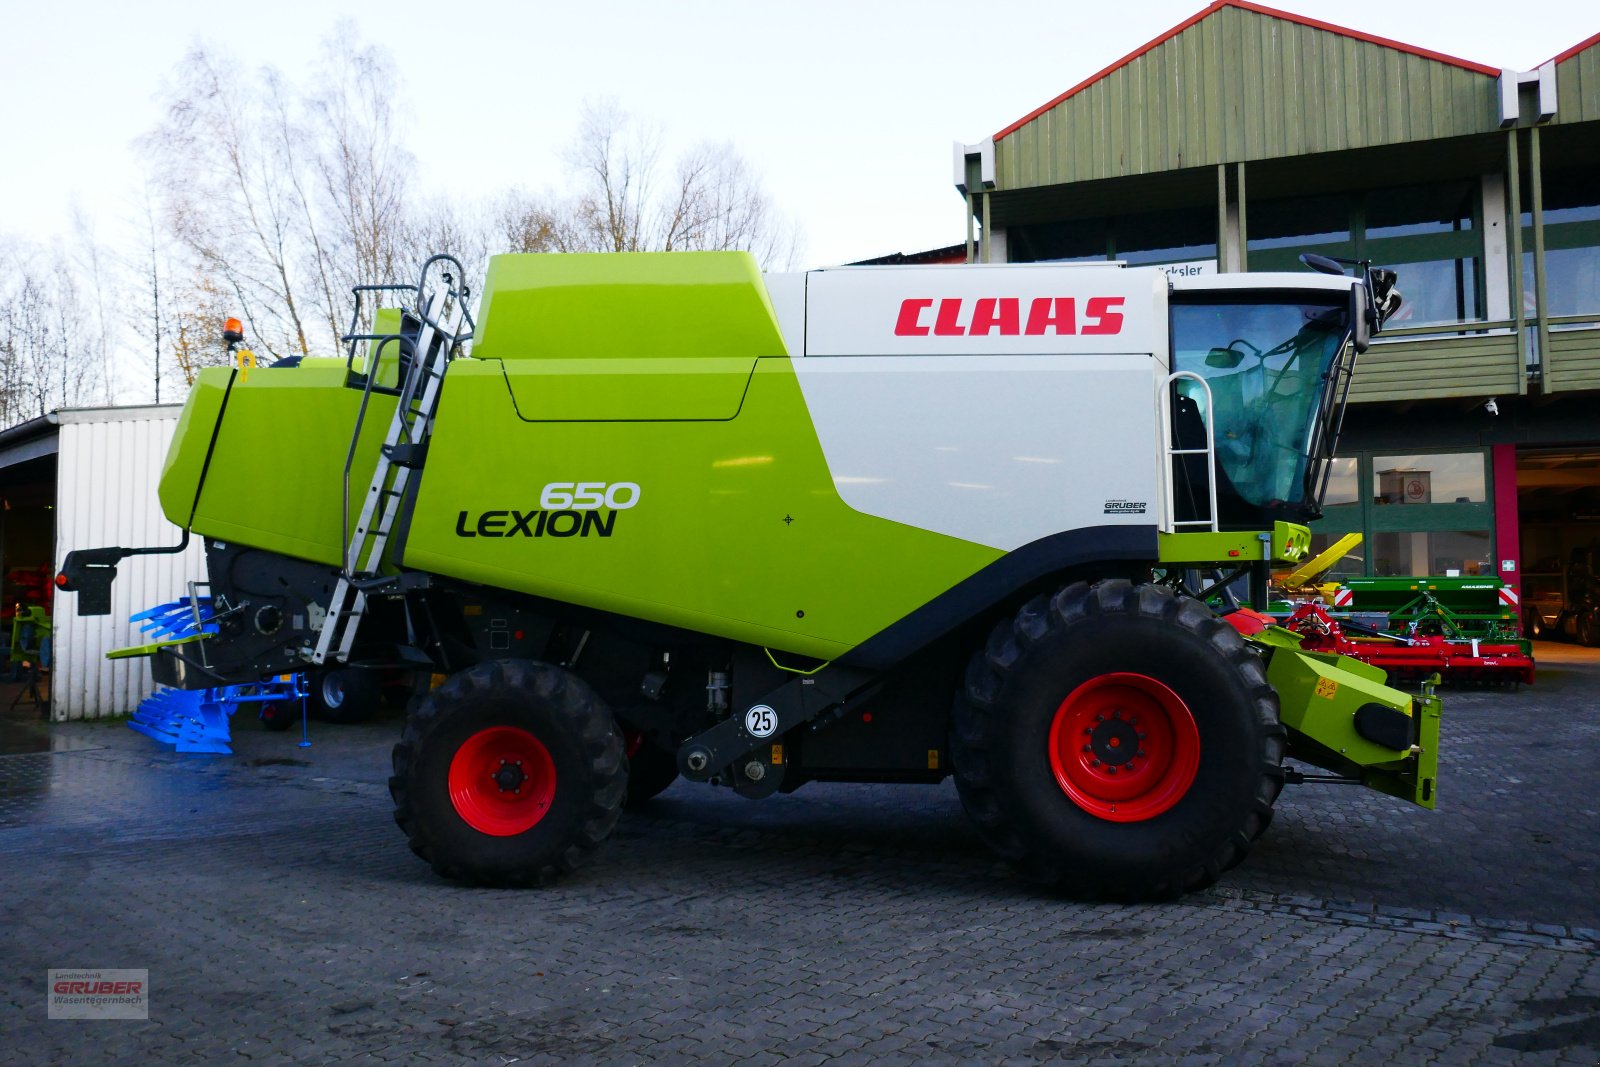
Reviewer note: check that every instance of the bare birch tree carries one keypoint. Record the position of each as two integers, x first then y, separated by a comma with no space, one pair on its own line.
624,201
42,319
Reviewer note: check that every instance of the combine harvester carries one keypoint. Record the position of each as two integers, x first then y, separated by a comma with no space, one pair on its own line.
659,515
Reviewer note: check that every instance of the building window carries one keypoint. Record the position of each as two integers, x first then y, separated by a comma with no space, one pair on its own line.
1420,514
1571,242
1434,553
1352,564
1155,237
1299,225
1443,478
1344,482
1428,233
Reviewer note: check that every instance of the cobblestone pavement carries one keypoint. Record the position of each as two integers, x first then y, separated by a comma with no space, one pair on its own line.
283,920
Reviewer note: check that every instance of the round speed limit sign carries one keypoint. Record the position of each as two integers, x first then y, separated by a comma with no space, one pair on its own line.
760,721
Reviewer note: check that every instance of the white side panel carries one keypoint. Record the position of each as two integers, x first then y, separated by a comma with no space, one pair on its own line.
998,450
106,495
1034,309
788,295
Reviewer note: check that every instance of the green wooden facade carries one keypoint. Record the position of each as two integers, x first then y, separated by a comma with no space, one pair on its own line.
1242,109
1578,83
1238,84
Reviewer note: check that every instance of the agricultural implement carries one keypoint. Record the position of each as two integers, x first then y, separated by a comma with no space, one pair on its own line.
1464,629
199,720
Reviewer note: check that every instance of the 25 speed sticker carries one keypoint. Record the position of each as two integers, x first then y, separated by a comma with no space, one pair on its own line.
761,721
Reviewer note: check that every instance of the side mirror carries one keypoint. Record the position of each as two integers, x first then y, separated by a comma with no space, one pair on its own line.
1224,358
1321,263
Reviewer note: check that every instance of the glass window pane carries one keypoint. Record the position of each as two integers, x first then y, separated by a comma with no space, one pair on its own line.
1439,291
1571,280
1317,220
1350,565
1445,478
1166,236
1053,241
1344,485
1570,195
1441,553
1415,209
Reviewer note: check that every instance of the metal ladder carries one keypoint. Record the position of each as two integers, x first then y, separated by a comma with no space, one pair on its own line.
1209,451
442,314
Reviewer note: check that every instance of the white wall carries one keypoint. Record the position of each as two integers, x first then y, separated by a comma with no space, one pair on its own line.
109,464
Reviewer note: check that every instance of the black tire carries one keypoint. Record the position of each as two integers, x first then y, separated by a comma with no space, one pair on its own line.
588,773
1093,640
279,715
651,769
1535,627
1588,628
344,696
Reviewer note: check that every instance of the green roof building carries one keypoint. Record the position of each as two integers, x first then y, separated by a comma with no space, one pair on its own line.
1246,136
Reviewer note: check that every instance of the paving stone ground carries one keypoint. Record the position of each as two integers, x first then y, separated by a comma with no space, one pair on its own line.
283,920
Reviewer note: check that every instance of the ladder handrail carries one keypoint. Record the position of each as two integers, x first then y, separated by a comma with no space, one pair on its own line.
1209,451
444,325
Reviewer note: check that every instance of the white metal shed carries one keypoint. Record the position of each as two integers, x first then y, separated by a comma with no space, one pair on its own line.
107,465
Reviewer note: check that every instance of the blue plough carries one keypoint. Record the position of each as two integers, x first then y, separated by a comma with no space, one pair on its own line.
196,720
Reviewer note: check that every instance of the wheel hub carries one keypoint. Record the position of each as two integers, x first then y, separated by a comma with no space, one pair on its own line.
1115,742
1124,747
509,777
502,781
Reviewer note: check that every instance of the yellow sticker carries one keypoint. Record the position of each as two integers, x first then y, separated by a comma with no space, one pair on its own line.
777,755
933,759
1326,687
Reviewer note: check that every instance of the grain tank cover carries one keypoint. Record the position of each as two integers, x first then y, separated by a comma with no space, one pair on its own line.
640,306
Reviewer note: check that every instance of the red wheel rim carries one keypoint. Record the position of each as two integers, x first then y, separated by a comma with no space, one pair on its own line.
502,781
1124,747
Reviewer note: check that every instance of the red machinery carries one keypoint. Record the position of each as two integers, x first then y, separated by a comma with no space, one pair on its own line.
1412,656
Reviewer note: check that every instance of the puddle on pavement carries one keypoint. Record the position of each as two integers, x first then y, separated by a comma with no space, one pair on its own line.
21,736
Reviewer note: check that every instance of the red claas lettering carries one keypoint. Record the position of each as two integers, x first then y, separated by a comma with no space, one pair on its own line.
1001,316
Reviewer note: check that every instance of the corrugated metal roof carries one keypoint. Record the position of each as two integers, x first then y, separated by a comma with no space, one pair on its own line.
1244,82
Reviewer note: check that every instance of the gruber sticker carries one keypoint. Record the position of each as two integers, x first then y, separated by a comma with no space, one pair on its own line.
1125,507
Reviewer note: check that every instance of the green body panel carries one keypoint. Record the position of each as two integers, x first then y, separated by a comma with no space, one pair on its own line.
275,479
599,306
186,459
630,390
1319,694
738,530
1289,543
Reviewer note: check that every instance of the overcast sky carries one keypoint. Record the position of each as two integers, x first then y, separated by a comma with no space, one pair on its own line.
847,108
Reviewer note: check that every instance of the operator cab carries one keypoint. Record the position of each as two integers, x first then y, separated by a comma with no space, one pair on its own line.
1265,363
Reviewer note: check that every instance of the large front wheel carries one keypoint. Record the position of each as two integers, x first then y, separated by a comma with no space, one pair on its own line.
511,773
1118,742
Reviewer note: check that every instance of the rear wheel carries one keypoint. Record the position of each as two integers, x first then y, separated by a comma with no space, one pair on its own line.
511,773
1588,629
651,769
1118,742
347,695
279,714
